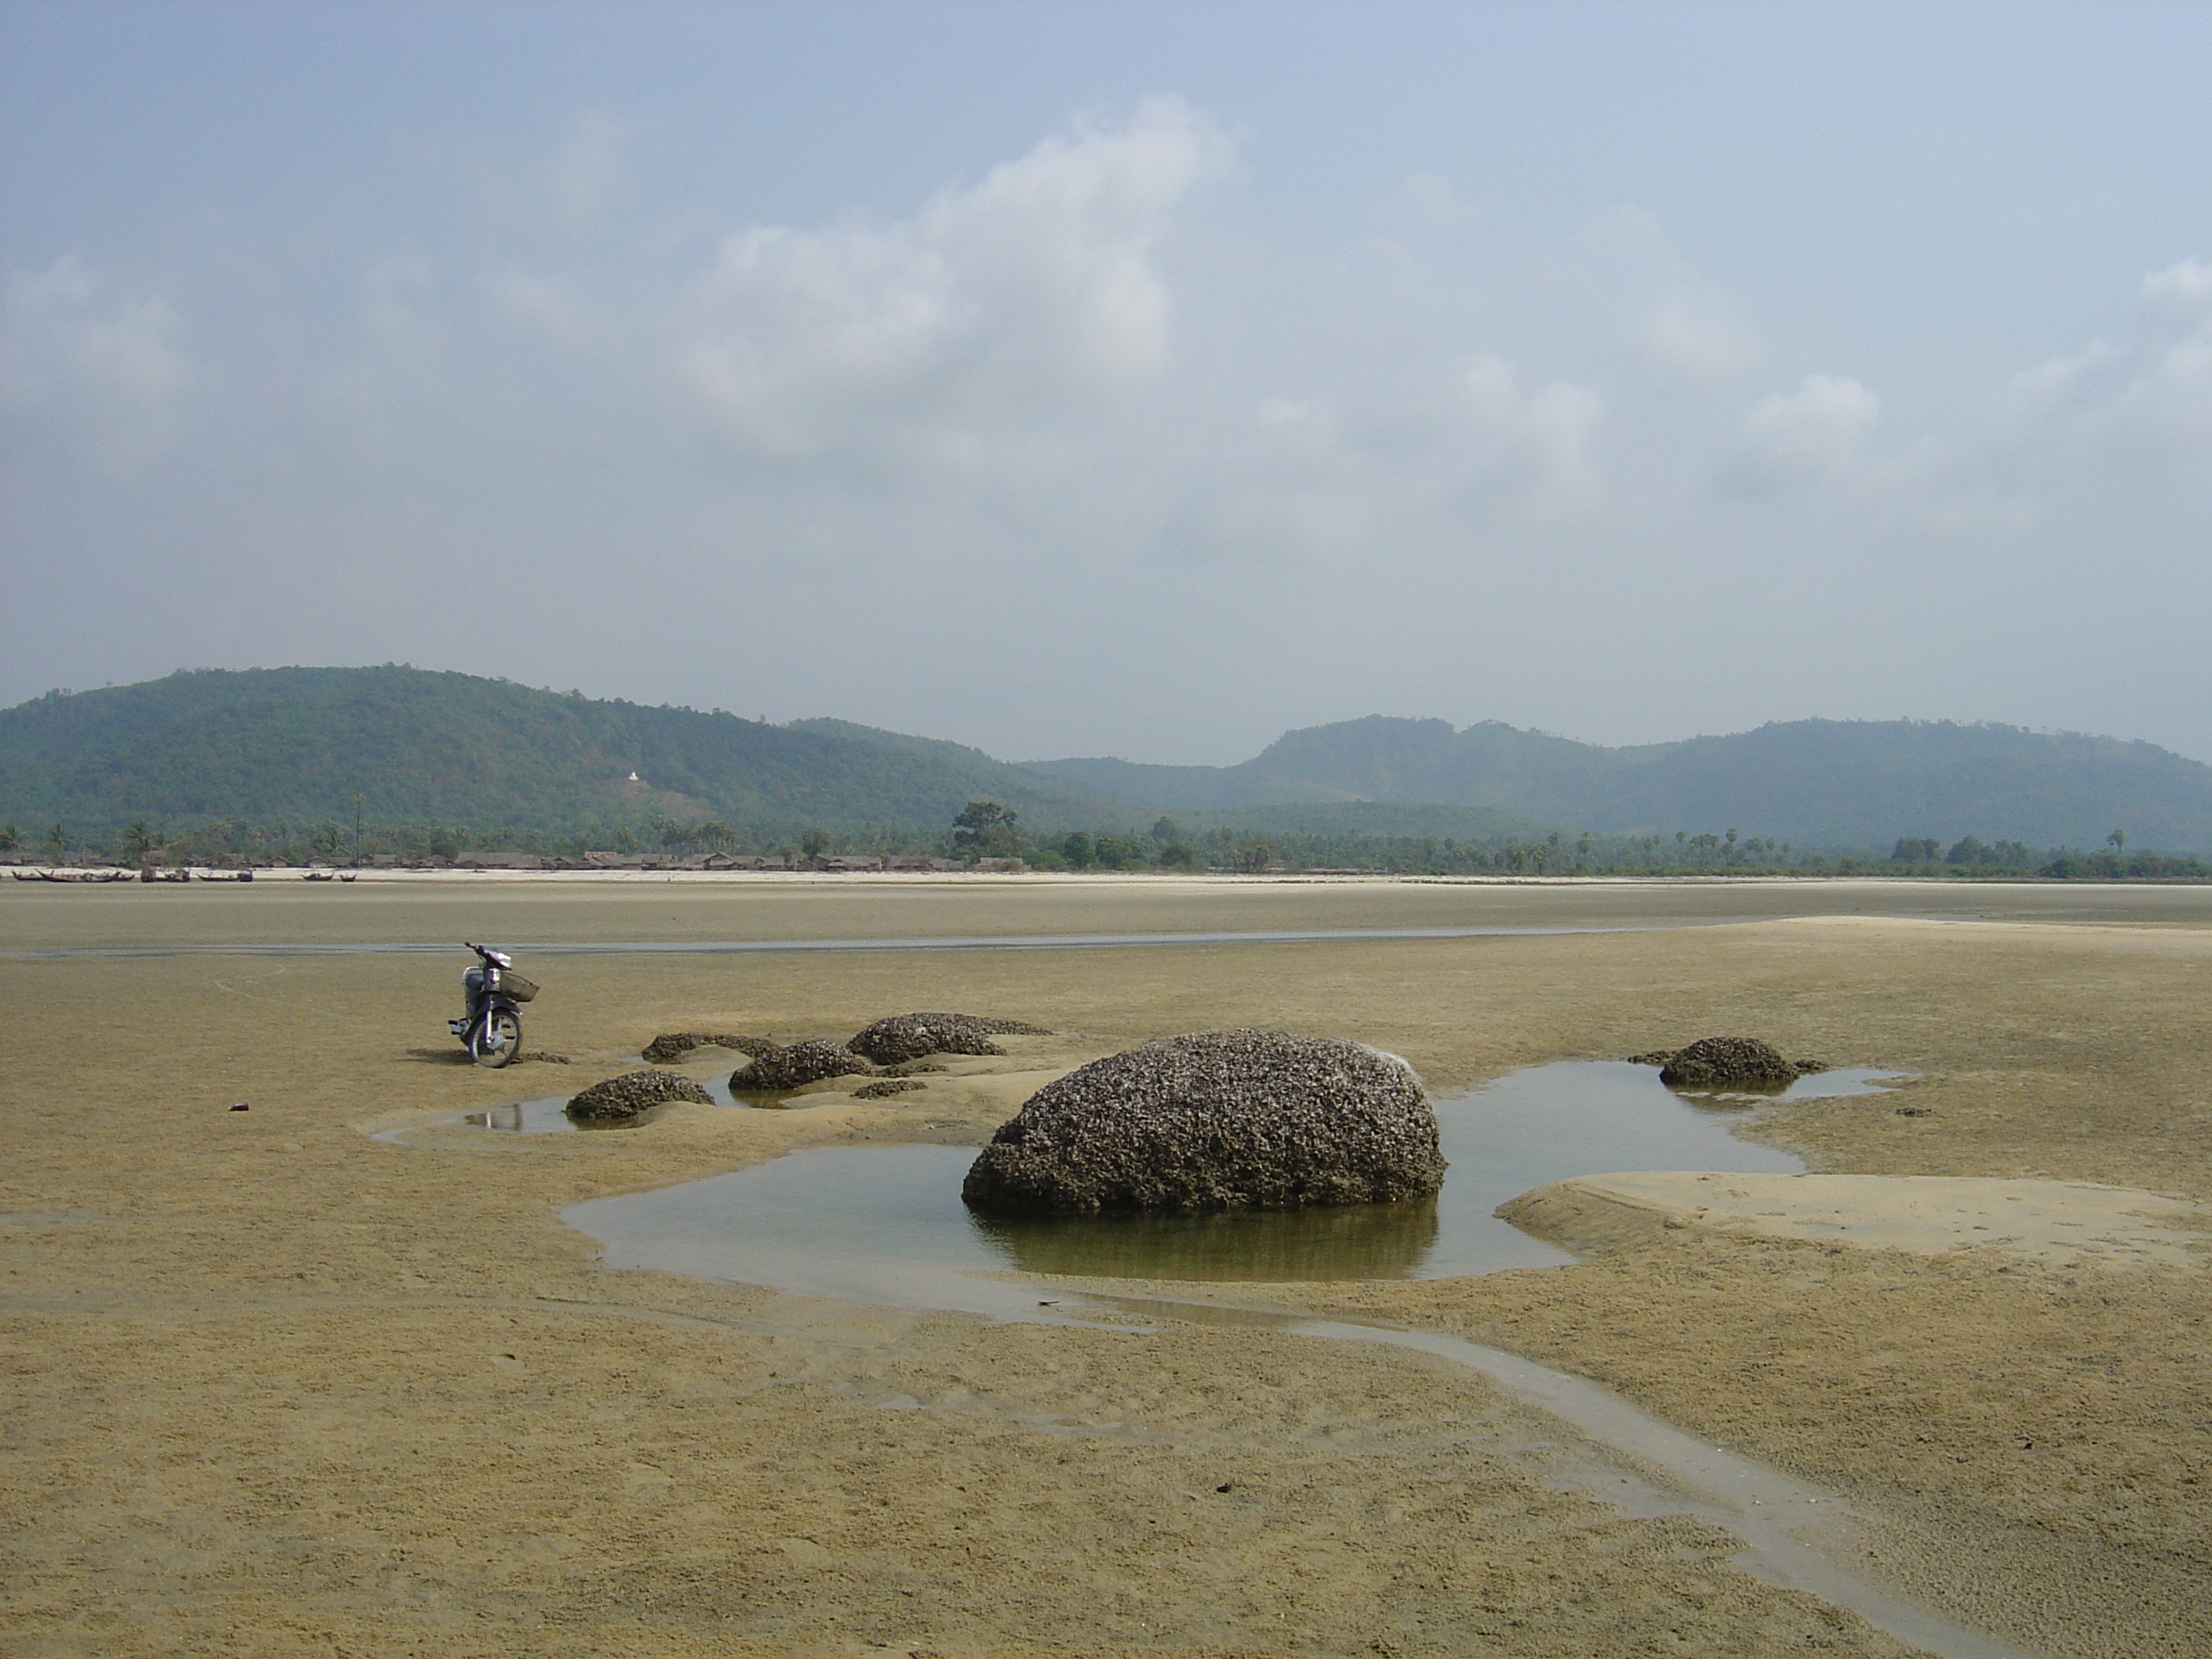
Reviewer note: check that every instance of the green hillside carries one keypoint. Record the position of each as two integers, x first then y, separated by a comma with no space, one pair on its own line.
1826,783
393,746
405,745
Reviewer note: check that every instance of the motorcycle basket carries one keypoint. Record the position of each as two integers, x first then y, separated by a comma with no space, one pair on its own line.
517,988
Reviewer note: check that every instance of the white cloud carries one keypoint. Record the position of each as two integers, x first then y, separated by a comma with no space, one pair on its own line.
1533,448
1670,313
1689,332
1797,440
545,198
66,331
991,305
391,379
82,358
2145,403
542,303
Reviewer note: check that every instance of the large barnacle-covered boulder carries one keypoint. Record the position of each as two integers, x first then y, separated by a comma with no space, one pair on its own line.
634,1092
1728,1062
909,1037
1216,1121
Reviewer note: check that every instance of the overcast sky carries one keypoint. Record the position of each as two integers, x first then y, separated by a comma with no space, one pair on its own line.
1123,378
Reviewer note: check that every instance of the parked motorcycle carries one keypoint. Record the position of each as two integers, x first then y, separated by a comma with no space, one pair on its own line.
491,1028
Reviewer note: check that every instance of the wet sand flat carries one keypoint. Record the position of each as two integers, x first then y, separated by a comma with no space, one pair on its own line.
279,1388
2069,1224
386,908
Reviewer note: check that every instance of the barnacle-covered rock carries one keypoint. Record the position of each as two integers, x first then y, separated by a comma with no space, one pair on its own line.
888,1087
795,1065
634,1092
1217,1121
674,1045
909,1037
1728,1062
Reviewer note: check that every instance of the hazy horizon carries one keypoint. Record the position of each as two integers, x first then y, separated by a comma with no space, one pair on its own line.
1131,379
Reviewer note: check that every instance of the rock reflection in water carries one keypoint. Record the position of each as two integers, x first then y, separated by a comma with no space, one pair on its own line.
548,1116
1733,1100
1355,1240
1829,1084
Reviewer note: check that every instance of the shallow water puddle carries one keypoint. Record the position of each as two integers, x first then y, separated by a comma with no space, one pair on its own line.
885,1224
548,1114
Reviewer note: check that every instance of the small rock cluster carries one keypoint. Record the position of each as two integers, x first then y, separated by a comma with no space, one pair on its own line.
674,1045
900,1042
909,1037
794,1065
1728,1062
634,1092
1216,1121
887,1088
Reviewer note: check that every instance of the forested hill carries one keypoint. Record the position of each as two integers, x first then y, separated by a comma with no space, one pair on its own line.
299,744
1831,783
391,746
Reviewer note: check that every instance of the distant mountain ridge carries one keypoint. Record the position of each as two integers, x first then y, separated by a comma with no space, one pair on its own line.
1830,783
417,746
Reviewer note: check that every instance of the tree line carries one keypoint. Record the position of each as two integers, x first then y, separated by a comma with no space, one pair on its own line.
985,829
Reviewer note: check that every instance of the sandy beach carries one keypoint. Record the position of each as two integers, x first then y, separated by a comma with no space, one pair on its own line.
280,1388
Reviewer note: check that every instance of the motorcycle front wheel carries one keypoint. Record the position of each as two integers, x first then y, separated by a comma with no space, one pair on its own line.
497,1040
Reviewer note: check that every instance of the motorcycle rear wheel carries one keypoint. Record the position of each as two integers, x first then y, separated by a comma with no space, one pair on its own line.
496,1040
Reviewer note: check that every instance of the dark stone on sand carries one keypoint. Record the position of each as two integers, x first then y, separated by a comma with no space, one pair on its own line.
1216,1121
909,1037
1663,1057
634,1092
674,1045
795,1065
1728,1062
887,1088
